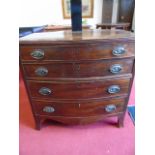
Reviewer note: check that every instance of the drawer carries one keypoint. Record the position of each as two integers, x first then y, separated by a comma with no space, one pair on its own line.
81,52
88,108
78,90
73,70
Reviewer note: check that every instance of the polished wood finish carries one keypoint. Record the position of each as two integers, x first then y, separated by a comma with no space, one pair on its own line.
124,26
67,53
74,38
76,69
70,120
52,28
79,108
78,90
73,84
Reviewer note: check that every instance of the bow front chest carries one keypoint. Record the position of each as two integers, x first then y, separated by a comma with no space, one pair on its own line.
78,77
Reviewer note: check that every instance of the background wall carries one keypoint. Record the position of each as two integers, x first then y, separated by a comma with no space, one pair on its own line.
133,22
43,12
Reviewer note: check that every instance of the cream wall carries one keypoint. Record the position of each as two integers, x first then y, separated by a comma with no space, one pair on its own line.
115,11
42,12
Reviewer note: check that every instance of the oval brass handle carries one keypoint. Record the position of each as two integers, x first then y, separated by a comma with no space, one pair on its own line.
119,50
116,68
37,54
45,91
48,109
41,71
113,89
110,108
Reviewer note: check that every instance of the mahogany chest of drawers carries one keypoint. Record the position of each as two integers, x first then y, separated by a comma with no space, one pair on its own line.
78,78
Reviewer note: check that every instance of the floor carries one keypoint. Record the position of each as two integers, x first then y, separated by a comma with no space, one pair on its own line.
101,138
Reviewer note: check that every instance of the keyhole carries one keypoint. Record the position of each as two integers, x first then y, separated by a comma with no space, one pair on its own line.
78,67
122,17
79,105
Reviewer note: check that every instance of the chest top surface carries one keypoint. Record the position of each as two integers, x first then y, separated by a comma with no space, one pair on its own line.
75,37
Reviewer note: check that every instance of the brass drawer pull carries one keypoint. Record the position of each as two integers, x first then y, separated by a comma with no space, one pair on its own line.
110,108
116,68
37,54
41,71
113,89
48,109
119,50
45,91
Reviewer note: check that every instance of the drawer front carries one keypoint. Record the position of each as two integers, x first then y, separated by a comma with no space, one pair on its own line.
88,108
78,90
80,52
73,70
